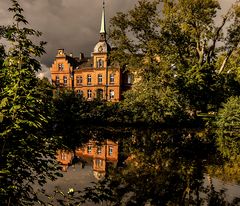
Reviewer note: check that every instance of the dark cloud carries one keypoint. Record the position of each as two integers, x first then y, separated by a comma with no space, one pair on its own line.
70,24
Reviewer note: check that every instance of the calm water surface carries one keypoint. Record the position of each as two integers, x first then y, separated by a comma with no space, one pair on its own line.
147,167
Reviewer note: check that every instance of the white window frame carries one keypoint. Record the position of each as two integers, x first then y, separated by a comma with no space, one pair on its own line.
111,79
63,156
99,150
100,78
57,82
111,94
65,80
79,80
89,79
89,94
110,150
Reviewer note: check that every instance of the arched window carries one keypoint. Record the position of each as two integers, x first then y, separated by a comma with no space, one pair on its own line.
89,79
89,94
65,81
99,63
111,78
111,94
100,79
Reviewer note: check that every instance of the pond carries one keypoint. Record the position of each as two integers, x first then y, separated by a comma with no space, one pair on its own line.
150,166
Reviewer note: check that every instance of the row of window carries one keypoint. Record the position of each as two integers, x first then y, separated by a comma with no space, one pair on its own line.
99,93
99,150
65,80
79,79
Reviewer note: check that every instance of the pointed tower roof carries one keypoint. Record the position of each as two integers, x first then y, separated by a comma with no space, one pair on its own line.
103,21
102,46
103,24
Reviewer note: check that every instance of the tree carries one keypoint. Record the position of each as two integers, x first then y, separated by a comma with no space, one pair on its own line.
27,152
228,129
172,48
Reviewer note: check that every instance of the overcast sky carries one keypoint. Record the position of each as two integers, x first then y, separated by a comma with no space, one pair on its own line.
70,24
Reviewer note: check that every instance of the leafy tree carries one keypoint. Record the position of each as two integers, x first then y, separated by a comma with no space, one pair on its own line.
27,152
228,130
172,48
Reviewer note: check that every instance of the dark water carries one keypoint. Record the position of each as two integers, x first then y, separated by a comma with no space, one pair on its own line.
147,167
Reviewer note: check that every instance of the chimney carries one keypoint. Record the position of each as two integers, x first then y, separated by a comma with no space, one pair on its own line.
81,56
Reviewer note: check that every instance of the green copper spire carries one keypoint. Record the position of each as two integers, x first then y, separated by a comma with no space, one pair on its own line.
103,25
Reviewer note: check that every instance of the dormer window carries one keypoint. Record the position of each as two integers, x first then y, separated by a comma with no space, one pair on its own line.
99,63
60,67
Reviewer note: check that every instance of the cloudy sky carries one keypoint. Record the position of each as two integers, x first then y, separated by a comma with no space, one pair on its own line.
70,24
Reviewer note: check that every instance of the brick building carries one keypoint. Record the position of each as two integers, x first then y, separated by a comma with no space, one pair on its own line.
92,77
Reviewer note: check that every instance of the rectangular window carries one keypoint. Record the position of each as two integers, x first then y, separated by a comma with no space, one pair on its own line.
100,79
99,150
99,163
129,79
110,151
79,93
63,156
89,79
60,67
111,78
111,94
89,149
79,80
65,81
99,63
57,80
89,94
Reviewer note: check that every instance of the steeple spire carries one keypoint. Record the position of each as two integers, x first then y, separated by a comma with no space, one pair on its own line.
103,25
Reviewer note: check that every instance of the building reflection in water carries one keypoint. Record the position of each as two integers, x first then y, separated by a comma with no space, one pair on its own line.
98,153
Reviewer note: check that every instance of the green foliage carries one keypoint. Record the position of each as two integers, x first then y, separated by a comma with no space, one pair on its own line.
228,129
172,49
27,152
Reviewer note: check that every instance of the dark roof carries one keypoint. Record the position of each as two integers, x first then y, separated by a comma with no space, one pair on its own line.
73,61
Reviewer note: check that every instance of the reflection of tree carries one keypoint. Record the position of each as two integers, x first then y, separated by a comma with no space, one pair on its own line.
164,168
159,168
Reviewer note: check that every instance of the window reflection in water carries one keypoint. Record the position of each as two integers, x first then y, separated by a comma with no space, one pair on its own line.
158,164
99,153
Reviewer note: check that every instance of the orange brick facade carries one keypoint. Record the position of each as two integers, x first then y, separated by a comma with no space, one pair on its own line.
91,77
100,153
